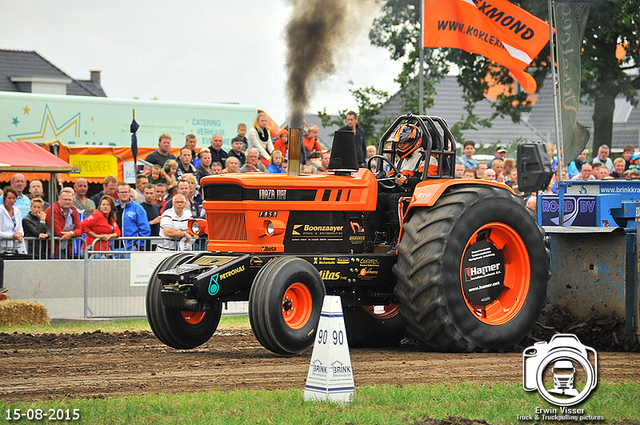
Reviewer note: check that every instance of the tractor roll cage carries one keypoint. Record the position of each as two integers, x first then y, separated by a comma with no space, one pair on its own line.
437,140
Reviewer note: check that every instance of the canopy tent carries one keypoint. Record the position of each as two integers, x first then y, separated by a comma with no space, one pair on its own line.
34,161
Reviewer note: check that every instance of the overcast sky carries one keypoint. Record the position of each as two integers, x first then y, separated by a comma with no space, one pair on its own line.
194,51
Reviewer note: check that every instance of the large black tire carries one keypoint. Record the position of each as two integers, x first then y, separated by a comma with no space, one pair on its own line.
372,326
285,302
431,289
178,329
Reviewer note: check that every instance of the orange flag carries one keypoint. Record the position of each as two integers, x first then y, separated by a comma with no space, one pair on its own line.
495,29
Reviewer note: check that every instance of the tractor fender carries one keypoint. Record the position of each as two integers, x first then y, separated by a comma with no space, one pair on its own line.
428,192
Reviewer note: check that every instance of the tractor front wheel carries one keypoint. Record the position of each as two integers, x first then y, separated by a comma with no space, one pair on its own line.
472,271
178,329
285,302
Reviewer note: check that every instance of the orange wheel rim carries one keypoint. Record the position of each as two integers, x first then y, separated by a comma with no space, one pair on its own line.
517,274
297,305
193,317
382,312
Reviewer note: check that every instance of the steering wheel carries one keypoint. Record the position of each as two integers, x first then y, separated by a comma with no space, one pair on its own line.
386,181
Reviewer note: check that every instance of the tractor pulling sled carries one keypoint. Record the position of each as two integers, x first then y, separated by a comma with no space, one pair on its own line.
469,271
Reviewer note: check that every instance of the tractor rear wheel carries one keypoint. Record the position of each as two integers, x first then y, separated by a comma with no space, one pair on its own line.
285,302
472,271
178,329
373,325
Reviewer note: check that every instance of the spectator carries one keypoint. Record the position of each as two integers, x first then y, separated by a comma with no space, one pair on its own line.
216,168
501,153
34,226
156,176
371,151
184,188
635,162
131,218
509,164
275,165
324,162
82,204
282,142
469,173
468,149
232,165
632,174
576,165
512,182
102,224
161,155
205,165
253,164
236,150
242,132
585,173
193,196
459,170
618,168
603,157
191,142
490,175
141,181
595,170
551,150
11,222
603,173
36,190
170,172
312,148
627,153
160,195
184,163
66,222
217,153
174,224
480,169
259,137
109,186
23,203
352,124
152,210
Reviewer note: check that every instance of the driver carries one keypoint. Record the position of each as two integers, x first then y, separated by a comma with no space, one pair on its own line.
410,160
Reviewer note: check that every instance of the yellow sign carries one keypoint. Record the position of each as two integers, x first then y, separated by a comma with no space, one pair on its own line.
95,165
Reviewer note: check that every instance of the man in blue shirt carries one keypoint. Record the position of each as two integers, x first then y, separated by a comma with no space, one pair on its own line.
132,218
23,203
468,149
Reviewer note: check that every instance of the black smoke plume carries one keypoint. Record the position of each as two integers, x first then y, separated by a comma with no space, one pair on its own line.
316,36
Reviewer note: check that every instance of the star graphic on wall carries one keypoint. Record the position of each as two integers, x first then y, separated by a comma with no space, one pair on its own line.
15,121
49,129
26,110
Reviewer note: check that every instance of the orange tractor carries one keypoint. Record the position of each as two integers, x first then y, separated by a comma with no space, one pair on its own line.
469,271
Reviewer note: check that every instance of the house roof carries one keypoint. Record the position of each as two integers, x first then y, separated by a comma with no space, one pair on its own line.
20,63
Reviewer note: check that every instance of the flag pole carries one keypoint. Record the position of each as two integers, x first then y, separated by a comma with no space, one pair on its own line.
421,75
559,150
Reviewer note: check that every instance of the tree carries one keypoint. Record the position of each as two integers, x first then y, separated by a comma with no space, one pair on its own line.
611,23
369,101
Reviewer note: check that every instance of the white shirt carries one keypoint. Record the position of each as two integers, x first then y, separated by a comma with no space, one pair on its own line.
171,219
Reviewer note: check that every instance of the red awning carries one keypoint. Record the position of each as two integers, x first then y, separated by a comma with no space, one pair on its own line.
27,157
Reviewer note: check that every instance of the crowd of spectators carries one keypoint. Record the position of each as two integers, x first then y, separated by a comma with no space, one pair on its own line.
167,191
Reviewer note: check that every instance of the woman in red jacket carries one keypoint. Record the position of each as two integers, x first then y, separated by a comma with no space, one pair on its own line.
102,225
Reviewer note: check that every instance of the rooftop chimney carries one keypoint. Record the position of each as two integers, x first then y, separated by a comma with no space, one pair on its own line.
95,76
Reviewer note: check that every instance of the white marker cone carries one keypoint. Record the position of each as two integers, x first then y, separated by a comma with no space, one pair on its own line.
330,374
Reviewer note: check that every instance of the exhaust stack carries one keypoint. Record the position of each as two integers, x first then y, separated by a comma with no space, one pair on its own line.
295,146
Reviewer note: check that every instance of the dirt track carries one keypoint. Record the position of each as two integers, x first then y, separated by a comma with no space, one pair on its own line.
110,364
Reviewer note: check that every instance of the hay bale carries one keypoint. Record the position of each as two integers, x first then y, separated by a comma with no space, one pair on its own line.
23,313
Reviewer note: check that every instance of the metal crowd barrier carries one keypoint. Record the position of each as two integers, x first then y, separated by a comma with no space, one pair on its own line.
40,249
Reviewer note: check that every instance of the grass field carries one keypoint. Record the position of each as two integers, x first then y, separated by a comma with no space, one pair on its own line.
497,404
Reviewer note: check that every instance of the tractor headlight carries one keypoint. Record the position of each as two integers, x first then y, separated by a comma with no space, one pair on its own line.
270,229
195,227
